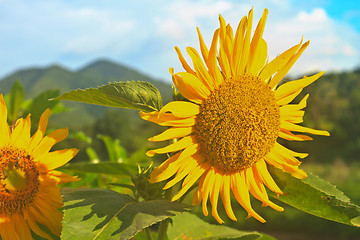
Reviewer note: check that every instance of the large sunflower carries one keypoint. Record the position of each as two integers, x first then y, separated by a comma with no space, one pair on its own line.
230,125
28,192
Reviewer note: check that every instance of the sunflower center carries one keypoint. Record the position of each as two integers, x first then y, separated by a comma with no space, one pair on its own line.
19,180
238,124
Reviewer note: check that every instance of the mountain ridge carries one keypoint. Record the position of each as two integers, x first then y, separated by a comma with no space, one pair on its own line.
97,73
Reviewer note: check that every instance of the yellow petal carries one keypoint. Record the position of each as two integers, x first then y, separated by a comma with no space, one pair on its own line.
284,70
200,69
291,116
190,87
286,134
278,63
281,153
260,57
61,177
179,145
206,188
183,62
21,227
223,57
188,165
39,134
279,163
289,108
34,227
165,170
284,151
258,46
58,158
203,48
246,47
20,136
238,45
4,127
10,232
293,127
241,193
180,109
266,177
190,180
225,196
291,87
257,188
171,133
296,107
214,196
50,140
167,119
287,99
212,61
170,166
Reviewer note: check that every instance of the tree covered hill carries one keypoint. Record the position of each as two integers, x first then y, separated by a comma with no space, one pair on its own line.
101,72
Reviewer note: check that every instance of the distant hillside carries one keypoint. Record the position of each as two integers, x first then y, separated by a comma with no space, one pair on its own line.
36,80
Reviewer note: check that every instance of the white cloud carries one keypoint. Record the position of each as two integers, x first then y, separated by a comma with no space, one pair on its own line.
142,34
332,44
95,31
181,17
317,15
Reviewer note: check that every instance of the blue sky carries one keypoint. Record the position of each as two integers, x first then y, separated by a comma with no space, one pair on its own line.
142,34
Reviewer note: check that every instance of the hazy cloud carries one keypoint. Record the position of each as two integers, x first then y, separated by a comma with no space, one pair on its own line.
142,34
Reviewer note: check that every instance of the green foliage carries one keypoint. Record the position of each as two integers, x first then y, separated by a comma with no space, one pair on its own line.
93,213
105,214
36,80
17,107
14,100
189,226
128,127
37,105
333,105
115,151
317,197
134,95
145,189
109,168
92,155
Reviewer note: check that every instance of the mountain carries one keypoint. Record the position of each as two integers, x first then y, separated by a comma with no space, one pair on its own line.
95,74
101,72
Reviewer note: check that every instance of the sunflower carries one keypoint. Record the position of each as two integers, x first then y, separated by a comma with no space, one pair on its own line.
228,128
28,192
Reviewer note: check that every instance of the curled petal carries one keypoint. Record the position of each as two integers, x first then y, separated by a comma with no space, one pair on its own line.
180,109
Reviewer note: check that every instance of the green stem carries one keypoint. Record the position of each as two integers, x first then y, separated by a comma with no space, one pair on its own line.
163,230
165,223
148,234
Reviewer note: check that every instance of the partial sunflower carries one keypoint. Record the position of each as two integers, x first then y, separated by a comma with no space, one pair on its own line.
230,125
28,192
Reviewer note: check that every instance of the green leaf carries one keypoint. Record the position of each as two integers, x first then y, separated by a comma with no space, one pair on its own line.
189,226
15,98
124,185
39,104
112,168
116,152
91,153
79,135
266,237
105,214
317,197
134,95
